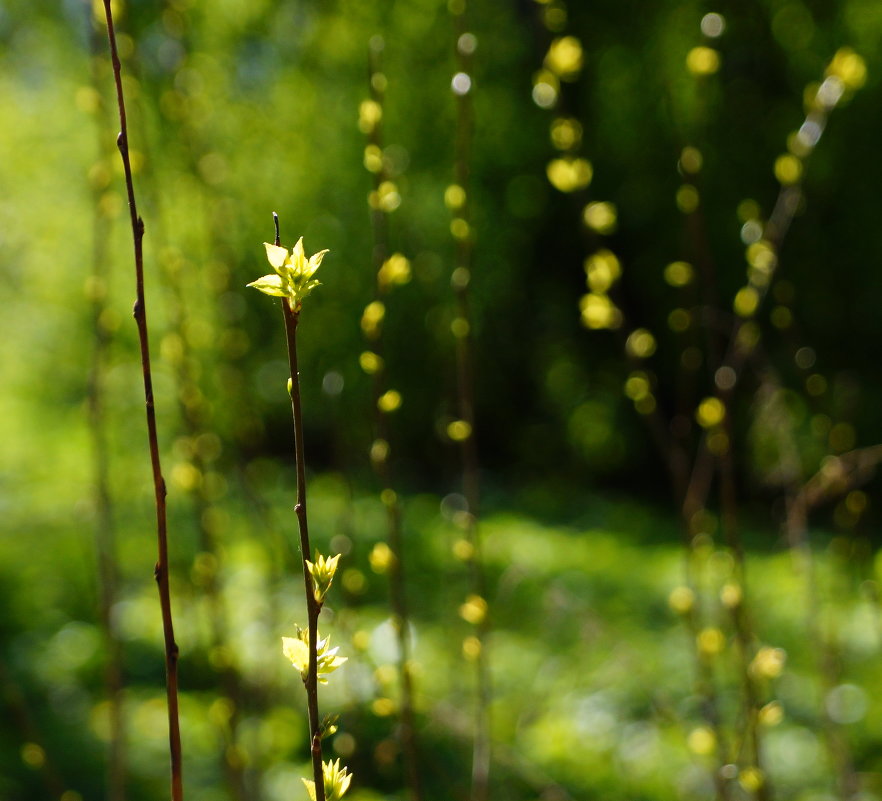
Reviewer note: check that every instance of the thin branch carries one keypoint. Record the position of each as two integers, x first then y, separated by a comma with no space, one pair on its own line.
313,608
161,570
481,752
696,231
381,466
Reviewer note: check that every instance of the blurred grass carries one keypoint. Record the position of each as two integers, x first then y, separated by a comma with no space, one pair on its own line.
592,677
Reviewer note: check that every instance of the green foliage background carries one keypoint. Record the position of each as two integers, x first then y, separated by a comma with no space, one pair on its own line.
241,108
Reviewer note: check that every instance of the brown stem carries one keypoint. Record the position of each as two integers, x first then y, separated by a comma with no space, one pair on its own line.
481,750
700,480
161,570
383,470
313,608
195,417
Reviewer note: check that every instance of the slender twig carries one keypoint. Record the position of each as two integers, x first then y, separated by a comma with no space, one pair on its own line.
696,232
313,608
736,354
695,498
382,467
465,388
230,676
195,416
197,419
161,570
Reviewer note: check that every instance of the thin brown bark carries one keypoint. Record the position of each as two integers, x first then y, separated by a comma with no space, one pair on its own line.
313,608
728,494
700,480
193,417
161,570
382,467
481,750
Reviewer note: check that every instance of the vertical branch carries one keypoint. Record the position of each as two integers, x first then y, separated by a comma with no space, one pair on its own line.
195,414
465,432
736,601
382,468
229,674
191,364
161,571
762,257
313,608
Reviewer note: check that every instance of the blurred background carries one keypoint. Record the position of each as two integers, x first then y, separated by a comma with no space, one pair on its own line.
663,152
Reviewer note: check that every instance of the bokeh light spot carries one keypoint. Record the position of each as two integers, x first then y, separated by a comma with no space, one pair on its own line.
710,412
679,273
564,57
788,169
602,270
702,61
566,133
713,25
691,160
461,83
640,344
389,401
679,320
687,198
600,216
569,174
454,197
598,311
